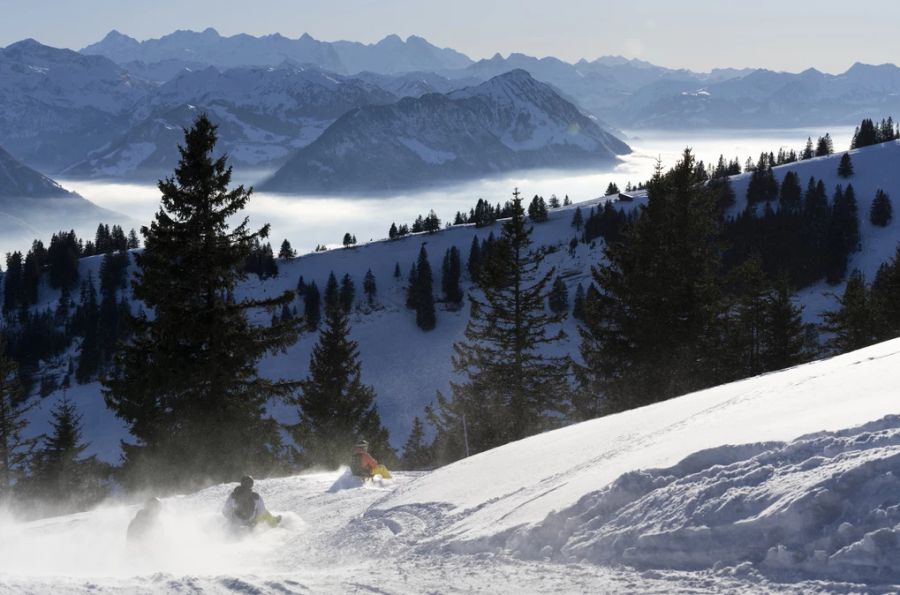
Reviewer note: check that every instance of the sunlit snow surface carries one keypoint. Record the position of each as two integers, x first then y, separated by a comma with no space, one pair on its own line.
806,498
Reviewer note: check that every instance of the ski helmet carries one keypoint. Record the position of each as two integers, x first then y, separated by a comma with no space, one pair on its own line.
363,444
246,482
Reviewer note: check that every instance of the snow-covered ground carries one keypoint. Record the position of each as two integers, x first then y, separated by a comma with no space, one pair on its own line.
789,482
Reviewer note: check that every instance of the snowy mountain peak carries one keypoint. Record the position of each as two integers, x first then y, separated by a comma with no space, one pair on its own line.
17,180
509,122
392,39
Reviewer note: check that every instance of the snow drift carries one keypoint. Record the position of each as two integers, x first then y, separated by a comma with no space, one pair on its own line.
825,505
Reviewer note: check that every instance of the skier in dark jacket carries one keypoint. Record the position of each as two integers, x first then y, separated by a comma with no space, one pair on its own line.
145,520
246,508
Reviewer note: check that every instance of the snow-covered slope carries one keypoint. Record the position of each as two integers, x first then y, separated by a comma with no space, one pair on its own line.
510,122
875,168
387,334
786,482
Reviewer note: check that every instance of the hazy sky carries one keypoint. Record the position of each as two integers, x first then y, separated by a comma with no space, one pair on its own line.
697,34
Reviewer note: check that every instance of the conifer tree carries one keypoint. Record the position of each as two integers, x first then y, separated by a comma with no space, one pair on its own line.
62,475
790,197
558,300
397,273
612,189
474,263
312,306
866,134
392,232
784,339
762,186
369,287
808,152
412,287
852,324
336,408
90,354
186,383
347,293
881,212
133,241
15,449
511,389
537,210
451,268
578,303
884,299
577,219
747,321
416,453
646,336
12,282
825,146
424,293
431,223
845,167
843,234
287,252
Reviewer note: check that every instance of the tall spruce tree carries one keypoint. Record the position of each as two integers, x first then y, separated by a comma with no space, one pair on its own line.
62,476
784,339
558,300
845,167
511,389
347,292
416,453
852,325
885,299
186,383
15,448
881,211
451,268
369,287
336,409
747,321
647,335
312,306
423,292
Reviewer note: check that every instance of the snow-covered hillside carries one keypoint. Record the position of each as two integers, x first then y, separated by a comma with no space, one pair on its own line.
387,333
786,482
875,168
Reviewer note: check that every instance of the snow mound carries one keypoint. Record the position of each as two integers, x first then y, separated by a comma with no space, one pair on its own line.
826,505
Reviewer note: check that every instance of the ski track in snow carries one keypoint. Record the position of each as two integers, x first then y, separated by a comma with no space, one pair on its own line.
788,482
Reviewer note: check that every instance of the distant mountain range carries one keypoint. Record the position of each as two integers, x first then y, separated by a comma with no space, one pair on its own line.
116,108
263,114
509,122
391,55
